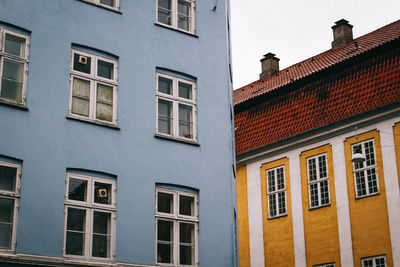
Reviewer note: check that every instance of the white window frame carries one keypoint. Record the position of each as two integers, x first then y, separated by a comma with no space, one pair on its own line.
176,100
90,206
174,16
318,181
20,59
373,260
97,2
276,192
365,169
332,264
177,218
94,80
15,195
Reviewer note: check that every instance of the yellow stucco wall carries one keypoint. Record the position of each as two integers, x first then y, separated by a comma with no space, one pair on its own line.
396,136
369,215
278,232
243,217
321,232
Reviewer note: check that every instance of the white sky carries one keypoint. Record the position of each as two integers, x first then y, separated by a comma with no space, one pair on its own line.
297,29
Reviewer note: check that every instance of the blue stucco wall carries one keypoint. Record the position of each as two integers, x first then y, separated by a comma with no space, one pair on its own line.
48,143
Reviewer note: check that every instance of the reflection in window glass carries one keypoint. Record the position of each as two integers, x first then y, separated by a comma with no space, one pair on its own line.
77,189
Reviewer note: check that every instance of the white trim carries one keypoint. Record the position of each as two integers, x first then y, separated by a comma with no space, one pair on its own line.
174,16
20,59
97,3
94,80
176,218
90,207
373,260
276,191
15,195
254,202
365,169
318,180
175,100
392,187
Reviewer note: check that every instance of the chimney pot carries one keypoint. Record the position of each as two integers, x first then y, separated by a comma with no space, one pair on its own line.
269,65
342,33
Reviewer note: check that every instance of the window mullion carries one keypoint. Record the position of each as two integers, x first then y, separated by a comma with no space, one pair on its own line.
89,234
176,243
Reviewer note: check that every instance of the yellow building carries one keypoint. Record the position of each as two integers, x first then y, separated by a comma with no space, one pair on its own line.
318,156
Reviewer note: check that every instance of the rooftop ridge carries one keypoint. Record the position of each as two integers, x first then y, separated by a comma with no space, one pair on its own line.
318,62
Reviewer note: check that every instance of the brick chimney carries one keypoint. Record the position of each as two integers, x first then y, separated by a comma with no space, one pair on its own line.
342,33
269,65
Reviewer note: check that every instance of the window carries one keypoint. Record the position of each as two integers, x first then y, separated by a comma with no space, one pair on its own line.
176,228
178,14
111,4
318,181
13,66
9,200
176,107
276,192
325,265
378,261
365,173
89,217
93,93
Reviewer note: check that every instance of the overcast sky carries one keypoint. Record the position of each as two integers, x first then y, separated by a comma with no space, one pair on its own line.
297,29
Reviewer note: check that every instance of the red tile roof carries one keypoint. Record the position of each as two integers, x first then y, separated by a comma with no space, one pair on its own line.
355,88
317,63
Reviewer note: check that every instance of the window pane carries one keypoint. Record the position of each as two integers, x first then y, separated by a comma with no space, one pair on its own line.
322,166
186,205
185,121
184,15
77,189
312,170
282,202
7,178
76,220
164,116
369,153
185,90
107,2
105,69
14,45
75,237
272,205
360,182
380,262
6,222
280,178
101,234
104,107
164,253
80,97
164,230
357,149
324,192
372,182
165,202
186,231
271,181
164,11
186,254
367,263
102,193
12,80
82,63
314,195
165,85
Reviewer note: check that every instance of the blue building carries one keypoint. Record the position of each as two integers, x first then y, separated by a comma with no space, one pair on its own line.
116,143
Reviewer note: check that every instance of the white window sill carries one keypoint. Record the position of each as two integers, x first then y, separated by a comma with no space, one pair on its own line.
111,126
320,207
13,104
366,196
278,216
176,29
176,139
113,9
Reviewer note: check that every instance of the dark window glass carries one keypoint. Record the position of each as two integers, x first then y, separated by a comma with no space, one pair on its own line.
7,178
77,189
82,63
186,205
105,69
102,193
107,2
6,222
165,202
